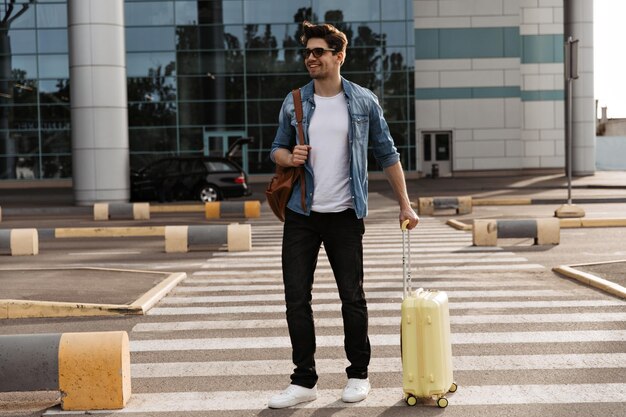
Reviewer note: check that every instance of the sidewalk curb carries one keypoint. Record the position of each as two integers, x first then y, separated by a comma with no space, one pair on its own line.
590,279
14,309
525,201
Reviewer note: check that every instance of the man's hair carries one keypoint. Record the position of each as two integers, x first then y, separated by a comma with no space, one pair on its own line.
335,38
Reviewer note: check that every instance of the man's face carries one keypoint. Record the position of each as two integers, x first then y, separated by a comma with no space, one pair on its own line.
326,65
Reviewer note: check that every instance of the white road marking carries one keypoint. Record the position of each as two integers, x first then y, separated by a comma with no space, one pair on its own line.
378,397
336,366
480,305
381,321
369,295
377,340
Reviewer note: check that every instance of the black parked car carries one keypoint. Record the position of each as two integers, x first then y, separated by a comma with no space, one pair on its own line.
203,178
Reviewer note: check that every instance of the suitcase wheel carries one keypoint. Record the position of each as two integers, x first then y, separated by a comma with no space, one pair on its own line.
442,402
411,400
453,387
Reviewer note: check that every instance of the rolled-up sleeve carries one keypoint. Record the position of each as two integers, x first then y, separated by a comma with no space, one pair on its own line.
384,149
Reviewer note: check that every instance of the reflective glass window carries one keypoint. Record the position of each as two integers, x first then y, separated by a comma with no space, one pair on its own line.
143,64
56,141
24,142
56,166
210,37
394,33
54,91
207,12
23,117
152,89
24,91
149,13
24,66
52,41
152,140
150,39
394,10
274,11
351,10
25,20
53,66
152,114
210,63
55,116
19,167
22,42
51,15
191,139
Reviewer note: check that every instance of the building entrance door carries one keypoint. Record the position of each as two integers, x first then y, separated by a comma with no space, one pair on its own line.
437,154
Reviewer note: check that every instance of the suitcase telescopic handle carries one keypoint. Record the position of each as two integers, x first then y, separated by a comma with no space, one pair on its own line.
406,259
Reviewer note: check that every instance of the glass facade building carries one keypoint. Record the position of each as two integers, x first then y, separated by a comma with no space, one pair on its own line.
199,75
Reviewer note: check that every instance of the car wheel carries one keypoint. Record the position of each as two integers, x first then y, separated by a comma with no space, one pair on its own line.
208,193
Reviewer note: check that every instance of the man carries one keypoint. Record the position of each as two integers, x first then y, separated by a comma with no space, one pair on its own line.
340,119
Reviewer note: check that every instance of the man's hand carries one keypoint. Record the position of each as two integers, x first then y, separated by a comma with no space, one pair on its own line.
299,155
409,214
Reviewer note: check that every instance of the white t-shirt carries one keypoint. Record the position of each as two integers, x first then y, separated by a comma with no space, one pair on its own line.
329,155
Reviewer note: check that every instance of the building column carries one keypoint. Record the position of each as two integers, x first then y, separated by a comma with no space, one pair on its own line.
579,25
100,158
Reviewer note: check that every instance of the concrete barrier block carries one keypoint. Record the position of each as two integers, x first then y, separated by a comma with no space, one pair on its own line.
121,211
176,239
239,237
252,209
24,242
465,205
212,210
425,206
485,233
428,205
101,211
94,370
222,209
141,211
548,231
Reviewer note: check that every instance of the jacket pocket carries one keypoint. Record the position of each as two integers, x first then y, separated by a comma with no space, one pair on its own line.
360,126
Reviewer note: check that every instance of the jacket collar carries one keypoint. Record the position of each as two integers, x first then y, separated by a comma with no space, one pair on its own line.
308,90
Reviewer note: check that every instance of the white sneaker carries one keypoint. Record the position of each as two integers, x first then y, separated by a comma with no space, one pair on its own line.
356,390
294,394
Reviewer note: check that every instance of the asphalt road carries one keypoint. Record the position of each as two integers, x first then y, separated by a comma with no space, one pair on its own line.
526,342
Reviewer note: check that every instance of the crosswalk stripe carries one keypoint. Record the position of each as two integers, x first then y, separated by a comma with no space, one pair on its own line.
382,321
230,263
248,285
508,267
369,295
378,397
469,305
337,366
377,340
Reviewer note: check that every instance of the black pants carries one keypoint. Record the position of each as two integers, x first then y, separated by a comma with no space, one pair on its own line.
342,236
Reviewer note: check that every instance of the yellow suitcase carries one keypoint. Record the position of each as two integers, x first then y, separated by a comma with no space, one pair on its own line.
425,340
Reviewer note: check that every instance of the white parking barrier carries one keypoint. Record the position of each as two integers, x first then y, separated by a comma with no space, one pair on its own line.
428,205
544,231
19,242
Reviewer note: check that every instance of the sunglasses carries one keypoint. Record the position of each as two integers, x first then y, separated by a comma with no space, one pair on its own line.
317,52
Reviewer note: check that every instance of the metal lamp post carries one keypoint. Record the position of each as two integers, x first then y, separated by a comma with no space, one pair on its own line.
571,74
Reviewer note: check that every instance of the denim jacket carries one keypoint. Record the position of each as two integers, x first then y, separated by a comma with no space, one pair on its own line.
367,125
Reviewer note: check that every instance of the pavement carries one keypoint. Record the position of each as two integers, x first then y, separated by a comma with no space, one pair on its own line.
66,270
53,207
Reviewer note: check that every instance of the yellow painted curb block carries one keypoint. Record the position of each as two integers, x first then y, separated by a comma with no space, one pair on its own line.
70,232
252,209
14,309
593,280
178,208
94,370
584,222
501,201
